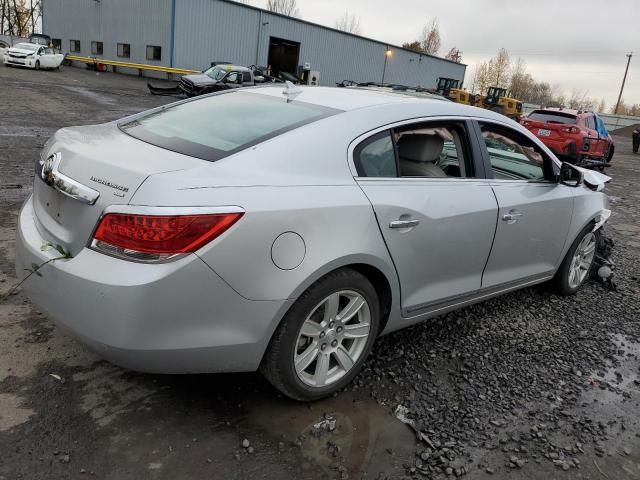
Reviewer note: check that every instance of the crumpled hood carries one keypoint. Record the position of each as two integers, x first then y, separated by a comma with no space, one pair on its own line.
200,79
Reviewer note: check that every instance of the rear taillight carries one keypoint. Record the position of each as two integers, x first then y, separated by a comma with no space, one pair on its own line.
525,123
571,130
156,238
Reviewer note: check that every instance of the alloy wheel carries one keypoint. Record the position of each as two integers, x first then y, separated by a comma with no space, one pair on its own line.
582,260
332,338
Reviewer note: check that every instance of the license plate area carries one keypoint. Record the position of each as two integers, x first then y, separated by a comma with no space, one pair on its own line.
543,132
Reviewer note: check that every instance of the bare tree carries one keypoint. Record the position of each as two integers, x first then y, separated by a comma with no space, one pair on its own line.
602,106
349,23
499,69
454,55
19,17
430,39
284,7
481,79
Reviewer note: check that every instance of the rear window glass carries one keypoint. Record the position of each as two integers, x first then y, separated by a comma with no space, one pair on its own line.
553,117
217,126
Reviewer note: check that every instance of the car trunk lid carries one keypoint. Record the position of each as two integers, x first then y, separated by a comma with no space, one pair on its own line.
99,159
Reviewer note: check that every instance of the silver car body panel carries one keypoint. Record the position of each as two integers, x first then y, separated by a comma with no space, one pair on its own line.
216,310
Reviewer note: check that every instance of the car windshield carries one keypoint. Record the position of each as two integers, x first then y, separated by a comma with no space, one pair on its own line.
553,117
27,46
217,126
217,73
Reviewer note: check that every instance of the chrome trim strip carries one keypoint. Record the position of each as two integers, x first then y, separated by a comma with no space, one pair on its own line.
53,177
481,294
151,210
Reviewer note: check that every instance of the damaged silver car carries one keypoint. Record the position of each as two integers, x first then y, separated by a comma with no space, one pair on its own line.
286,230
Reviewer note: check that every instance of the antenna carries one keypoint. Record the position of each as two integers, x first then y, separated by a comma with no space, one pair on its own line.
291,91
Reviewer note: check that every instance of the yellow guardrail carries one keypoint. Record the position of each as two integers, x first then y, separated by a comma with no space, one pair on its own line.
138,66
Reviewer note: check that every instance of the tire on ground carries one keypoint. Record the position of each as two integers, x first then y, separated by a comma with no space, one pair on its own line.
560,282
278,363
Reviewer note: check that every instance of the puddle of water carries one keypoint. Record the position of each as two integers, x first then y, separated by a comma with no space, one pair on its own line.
367,437
96,97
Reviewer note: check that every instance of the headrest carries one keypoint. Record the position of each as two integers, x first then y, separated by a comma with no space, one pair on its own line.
420,147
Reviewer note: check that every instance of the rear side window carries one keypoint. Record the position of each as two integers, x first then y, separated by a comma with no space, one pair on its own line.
376,157
553,117
217,126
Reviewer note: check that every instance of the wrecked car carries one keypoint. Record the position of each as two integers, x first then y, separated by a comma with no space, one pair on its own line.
196,238
214,79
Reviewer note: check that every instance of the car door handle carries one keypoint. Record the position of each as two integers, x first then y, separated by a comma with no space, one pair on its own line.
512,216
404,223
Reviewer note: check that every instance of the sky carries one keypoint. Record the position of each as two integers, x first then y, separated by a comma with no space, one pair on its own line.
580,45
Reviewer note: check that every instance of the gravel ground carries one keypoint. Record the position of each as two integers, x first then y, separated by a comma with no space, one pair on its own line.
529,385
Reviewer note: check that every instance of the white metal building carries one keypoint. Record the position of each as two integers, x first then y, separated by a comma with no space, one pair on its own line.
193,33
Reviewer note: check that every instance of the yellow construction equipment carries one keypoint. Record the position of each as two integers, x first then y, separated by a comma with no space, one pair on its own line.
450,88
499,100
496,99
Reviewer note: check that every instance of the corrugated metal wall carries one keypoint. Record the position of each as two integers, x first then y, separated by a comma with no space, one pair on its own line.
138,23
208,30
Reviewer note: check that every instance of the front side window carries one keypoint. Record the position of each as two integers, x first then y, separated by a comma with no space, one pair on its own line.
96,48
124,50
232,78
215,127
513,156
154,52
74,46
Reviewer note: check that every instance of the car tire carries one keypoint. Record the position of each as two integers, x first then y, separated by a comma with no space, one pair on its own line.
577,263
610,153
37,65
297,358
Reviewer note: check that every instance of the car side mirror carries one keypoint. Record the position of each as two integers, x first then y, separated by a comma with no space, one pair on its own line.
570,175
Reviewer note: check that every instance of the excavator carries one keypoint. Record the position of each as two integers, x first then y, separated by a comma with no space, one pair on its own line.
496,99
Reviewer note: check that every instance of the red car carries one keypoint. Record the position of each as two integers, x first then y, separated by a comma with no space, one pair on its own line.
575,136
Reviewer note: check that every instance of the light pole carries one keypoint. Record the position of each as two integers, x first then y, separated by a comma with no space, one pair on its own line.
387,55
624,80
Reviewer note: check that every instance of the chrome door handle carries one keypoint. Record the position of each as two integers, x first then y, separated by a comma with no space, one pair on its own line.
404,223
512,216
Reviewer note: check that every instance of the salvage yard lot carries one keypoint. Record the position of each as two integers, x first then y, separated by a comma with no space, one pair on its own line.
529,385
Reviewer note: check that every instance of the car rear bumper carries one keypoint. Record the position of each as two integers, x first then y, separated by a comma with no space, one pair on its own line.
177,317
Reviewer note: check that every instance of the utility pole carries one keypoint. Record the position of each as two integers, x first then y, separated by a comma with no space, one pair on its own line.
624,80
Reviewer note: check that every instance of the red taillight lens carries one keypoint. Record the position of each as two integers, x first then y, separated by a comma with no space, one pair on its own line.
571,130
162,234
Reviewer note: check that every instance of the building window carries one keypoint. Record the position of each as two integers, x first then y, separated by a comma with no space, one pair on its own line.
96,48
74,46
56,43
124,50
154,52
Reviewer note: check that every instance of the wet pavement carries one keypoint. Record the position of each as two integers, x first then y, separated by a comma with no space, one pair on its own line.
66,414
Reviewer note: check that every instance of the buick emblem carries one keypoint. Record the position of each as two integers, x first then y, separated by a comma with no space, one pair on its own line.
48,166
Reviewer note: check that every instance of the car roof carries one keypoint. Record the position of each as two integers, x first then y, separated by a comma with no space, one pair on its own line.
346,99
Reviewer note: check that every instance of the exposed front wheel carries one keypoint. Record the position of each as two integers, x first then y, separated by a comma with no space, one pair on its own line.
325,337
578,262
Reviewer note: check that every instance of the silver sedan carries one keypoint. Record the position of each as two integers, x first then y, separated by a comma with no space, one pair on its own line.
286,230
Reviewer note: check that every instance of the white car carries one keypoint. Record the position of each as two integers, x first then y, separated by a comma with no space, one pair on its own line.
3,48
33,55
